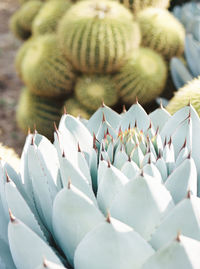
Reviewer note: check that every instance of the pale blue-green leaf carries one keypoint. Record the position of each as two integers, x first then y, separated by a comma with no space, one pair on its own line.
110,185
192,54
103,128
159,117
101,170
110,151
74,132
162,167
118,247
169,157
183,154
182,253
84,167
136,114
41,188
162,100
137,156
120,158
111,117
130,170
6,261
129,202
27,248
74,215
179,73
93,169
184,218
46,264
20,209
182,180
149,157
151,170
69,171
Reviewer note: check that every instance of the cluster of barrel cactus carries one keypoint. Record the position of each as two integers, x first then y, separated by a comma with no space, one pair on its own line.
80,54
116,191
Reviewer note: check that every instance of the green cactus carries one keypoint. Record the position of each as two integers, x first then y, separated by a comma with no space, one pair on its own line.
143,76
137,5
36,112
21,54
45,71
76,109
98,36
190,93
27,14
17,29
162,32
48,17
91,91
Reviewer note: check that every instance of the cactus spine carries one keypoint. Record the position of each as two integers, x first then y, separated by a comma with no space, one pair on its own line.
137,5
45,71
97,37
91,91
190,93
143,76
49,15
162,32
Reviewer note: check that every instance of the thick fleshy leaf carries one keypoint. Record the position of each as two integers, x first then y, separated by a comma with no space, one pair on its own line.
182,180
74,215
136,114
182,252
179,73
183,218
159,117
130,169
27,248
69,171
120,158
111,117
73,132
146,194
192,53
6,261
110,185
151,170
49,265
20,209
162,167
118,247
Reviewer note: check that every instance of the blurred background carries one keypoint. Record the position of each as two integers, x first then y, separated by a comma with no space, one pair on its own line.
10,84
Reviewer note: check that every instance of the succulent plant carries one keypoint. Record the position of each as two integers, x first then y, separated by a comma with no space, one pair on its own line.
91,91
183,72
162,32
143,76
75,108
17,29
47,19
137,5
189,15
111,192
45,70
38,112
98,36
189,93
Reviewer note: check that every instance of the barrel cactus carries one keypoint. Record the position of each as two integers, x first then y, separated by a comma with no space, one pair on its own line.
98,36
161,31
116,191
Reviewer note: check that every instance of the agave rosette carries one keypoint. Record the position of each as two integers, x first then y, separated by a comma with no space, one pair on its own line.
116,191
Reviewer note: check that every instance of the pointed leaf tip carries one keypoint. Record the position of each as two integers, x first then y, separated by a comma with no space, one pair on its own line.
79,149
104,118
69,183
8,180
12,217
109,164
64,111
45,262
178,239
124,109
189,194
108,217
